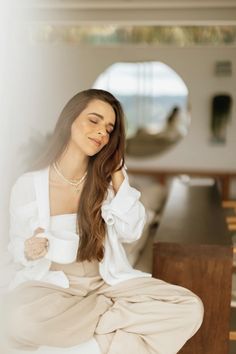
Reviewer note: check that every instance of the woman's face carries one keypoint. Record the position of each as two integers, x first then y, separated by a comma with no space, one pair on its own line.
91,130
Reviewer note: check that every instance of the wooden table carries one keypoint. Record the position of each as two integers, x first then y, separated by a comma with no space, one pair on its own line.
193,248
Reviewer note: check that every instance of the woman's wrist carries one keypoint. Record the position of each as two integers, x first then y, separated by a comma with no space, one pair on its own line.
117,179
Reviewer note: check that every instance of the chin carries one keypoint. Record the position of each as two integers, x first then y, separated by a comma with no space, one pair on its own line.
92,150
89,151
92,153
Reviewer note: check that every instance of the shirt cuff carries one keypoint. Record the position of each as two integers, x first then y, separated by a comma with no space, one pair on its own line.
121,203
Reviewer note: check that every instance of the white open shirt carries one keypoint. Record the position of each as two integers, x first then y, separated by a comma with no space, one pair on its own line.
123,213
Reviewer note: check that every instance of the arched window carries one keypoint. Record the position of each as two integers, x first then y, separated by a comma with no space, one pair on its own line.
148,91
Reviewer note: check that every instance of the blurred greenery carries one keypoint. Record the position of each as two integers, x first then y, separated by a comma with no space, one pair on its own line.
148,35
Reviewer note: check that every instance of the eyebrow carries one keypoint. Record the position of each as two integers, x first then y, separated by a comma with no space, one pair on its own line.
101,117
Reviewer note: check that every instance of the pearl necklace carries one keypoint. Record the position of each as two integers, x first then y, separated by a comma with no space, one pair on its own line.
74,183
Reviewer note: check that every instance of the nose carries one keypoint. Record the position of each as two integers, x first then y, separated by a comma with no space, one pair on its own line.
102,132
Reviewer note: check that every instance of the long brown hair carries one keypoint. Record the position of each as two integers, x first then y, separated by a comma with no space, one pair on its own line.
91,226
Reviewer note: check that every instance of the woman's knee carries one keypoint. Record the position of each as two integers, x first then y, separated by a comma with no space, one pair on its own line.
19,324
196,312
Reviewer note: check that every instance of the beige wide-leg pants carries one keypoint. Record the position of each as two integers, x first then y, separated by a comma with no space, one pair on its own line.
143,315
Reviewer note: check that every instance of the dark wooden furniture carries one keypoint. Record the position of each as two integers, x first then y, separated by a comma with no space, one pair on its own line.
192,248
161,175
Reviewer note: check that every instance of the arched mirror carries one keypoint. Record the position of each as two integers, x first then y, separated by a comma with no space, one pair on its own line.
155,99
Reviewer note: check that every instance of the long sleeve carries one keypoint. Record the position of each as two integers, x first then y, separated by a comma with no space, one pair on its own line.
22,220
18,236
125,212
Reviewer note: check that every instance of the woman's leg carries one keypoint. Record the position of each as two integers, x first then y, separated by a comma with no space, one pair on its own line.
88,347
40,314
149,316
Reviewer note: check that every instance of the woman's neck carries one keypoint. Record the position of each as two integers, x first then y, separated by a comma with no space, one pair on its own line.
73,163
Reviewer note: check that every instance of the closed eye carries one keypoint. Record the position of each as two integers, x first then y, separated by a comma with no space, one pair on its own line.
93,121
96,122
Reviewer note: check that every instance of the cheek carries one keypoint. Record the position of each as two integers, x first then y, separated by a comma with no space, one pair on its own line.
106,140
79,128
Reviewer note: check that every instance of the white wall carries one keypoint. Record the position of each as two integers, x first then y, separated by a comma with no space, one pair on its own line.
56,72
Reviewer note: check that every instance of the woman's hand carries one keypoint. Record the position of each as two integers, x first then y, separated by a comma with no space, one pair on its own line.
36,247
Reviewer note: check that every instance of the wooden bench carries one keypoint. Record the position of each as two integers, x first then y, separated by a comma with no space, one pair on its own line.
192,248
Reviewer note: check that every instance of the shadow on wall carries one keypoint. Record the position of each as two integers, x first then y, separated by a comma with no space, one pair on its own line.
33,148
220,117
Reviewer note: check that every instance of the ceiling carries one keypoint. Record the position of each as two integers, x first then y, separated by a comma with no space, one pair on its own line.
150,12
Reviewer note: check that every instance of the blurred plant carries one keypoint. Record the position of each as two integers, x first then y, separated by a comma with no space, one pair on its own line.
150,35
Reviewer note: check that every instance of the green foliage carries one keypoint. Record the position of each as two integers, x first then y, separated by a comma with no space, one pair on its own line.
148,35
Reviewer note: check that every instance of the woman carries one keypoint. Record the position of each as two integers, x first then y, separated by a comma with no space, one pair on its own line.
81,185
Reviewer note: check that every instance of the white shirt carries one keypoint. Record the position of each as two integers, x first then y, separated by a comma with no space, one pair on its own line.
123,213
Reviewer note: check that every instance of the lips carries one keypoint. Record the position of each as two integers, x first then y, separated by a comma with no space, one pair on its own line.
96,142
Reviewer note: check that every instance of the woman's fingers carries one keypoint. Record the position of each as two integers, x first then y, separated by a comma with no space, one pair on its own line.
38,230
36,247
40,241
37,241
43,253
